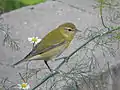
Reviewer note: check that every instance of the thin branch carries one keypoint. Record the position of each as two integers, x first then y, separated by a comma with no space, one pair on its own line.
101,14
22,78
8,40
103,22
67,58
45,79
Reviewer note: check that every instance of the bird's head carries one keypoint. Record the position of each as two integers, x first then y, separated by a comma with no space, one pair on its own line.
68,30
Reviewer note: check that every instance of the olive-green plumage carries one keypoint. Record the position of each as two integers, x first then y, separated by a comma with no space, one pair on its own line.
53,44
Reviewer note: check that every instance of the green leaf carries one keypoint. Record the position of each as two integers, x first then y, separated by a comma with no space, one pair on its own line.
101,1
31,2
117,36
8,5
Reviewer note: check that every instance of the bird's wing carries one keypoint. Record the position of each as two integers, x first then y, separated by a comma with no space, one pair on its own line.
48,42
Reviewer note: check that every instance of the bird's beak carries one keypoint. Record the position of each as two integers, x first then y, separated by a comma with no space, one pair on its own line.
78,30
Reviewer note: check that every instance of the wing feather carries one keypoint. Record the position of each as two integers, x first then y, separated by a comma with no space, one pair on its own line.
48,42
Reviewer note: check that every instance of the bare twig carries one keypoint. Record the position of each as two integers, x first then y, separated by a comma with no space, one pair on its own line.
8,40
22,78
45,79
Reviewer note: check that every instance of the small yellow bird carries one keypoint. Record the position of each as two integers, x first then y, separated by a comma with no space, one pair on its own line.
53,44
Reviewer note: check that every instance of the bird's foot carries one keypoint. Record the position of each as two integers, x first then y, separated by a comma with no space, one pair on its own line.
66,59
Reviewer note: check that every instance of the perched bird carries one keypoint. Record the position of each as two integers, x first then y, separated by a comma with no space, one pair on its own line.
53,44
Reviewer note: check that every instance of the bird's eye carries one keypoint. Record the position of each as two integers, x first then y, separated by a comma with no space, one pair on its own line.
69,29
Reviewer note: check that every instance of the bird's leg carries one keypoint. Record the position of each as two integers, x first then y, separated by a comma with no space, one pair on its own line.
47,66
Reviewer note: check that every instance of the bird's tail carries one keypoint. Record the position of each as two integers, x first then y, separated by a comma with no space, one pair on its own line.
24,59
18,62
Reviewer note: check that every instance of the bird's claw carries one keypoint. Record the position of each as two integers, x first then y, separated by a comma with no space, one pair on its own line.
66,59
